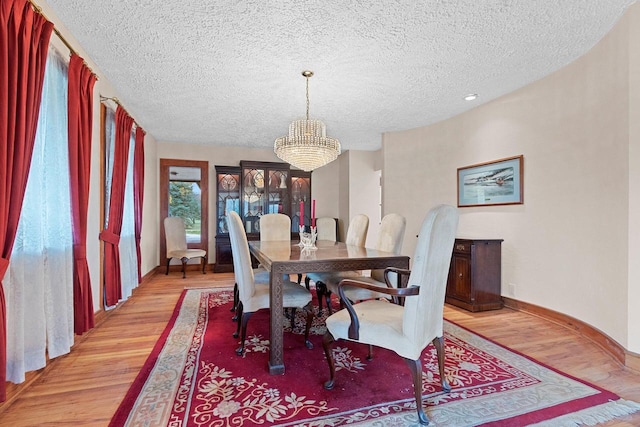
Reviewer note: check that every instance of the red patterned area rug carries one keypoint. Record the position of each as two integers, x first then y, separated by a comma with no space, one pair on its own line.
194,378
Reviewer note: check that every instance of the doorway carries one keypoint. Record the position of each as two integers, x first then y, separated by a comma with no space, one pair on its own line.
184,192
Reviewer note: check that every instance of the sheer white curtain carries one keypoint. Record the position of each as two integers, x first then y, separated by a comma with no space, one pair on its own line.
128,254
39,282
127,245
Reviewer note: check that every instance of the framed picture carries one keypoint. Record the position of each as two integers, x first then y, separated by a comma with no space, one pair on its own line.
492,183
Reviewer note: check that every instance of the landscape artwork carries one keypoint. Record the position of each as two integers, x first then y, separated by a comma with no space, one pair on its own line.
497,182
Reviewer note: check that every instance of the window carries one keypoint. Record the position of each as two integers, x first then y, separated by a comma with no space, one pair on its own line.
126,247
184,199
39,282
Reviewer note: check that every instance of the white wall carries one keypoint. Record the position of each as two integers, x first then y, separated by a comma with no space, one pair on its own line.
566,248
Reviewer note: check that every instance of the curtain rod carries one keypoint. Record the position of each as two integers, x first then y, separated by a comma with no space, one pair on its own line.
38,10
117,101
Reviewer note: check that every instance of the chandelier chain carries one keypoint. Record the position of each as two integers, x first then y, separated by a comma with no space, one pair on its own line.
307,97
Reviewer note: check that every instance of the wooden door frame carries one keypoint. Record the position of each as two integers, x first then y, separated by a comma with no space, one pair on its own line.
165,164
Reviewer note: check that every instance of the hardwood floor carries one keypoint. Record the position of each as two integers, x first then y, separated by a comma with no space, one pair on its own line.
85,387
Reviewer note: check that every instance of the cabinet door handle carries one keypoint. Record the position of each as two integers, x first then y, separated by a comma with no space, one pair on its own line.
460,275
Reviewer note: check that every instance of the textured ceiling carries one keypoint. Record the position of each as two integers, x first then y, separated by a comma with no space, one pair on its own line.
228,72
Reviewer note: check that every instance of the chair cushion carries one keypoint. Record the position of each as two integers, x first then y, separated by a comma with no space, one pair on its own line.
187,253
260,275
293,295
380,325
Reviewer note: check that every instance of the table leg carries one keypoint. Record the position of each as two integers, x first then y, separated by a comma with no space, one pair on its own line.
276,360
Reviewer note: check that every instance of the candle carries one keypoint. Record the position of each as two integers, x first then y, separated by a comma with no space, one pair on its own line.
301,213
313,213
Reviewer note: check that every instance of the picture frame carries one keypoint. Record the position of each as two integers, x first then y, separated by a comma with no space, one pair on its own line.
498,182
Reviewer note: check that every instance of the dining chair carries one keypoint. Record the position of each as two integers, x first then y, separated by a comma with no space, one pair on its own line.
254,296
273,227
327,230
390,238
356,236
408,327
176,242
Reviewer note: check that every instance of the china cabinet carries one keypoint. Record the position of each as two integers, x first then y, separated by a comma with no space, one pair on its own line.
252,190
474,280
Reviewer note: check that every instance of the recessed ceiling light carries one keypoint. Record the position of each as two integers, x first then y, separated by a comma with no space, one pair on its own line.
470,97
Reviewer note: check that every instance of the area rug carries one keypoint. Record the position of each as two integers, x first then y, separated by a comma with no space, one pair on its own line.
193,377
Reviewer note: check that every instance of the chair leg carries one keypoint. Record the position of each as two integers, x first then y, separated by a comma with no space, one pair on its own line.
184,266
416,371
238,316
236,298
168,261
307,282
292,317
438,343
370,355
308,309
320,290
327,299
245,320
327,340
204,264
300,278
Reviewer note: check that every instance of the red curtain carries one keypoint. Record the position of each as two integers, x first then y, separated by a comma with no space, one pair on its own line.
24,41
81,81
111,235
138,191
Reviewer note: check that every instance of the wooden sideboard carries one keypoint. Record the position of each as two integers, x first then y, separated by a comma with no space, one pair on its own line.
474,281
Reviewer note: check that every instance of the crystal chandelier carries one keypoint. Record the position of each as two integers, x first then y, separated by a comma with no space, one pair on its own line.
307,146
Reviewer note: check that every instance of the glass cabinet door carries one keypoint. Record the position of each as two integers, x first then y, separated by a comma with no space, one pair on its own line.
300,198
253,198
278,196
228,189
265,189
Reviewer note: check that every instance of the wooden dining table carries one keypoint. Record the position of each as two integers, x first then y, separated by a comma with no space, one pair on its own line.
284,258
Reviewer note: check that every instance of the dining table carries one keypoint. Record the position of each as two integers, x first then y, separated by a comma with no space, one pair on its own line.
283,258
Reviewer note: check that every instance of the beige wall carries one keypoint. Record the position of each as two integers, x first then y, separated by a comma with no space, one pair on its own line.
566,248
325,188
364,191
633,299
150,210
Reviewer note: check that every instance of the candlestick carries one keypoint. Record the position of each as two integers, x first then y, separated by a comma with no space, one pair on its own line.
301,213
313,212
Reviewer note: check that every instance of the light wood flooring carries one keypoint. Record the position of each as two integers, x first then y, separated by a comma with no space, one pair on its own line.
85,387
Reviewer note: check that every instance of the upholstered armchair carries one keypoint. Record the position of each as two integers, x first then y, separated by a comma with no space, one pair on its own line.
255,296
390,238
407,329
356,236
176,241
